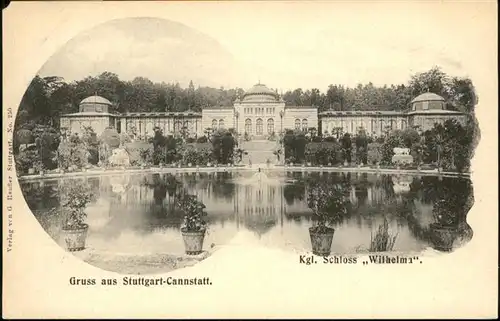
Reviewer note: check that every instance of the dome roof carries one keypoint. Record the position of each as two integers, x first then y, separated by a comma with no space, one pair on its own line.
260,92
96,100
427,97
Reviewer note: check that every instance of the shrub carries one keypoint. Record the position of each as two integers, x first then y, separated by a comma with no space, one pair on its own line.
27,159
329,206
125,138
316,139
374,155
72,152
383,240
193,210
323,153
346,143
393,140
24,136
146,156
75,195
110,137
202,140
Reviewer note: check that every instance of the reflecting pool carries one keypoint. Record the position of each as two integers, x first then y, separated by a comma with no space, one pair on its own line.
137,213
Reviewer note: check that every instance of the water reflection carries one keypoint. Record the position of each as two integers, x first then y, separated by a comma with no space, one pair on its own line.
137,213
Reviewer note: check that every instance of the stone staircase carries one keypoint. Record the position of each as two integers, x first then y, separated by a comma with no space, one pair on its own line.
259,151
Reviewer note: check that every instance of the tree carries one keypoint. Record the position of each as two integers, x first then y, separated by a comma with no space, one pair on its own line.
434,80
362,147
346,147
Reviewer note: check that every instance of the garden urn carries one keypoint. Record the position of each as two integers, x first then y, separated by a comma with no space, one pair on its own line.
193,241
75,238
321,241
190,165
31,171
443,237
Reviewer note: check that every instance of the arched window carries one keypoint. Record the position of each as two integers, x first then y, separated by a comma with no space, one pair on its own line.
221,123
177,126
403,124
304,124
270,126
259,127
248,126
392,121
331,126
214,124
187,125
297,123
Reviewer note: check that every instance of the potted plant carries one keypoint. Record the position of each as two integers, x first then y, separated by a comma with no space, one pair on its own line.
194,226
329,207
75,198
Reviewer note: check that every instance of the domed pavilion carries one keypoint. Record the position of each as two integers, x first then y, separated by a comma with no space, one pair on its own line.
428,109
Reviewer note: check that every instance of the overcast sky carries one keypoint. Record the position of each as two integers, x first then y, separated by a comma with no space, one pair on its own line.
284,45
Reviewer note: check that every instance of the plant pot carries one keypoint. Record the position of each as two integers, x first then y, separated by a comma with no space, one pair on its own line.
443,237
42,173
190,165
309,164
31,171
193,241
321,242
329,164
75,238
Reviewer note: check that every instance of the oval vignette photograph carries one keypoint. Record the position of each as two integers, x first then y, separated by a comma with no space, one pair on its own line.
144,145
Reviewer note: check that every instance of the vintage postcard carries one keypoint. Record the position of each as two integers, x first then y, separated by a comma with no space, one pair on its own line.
250,159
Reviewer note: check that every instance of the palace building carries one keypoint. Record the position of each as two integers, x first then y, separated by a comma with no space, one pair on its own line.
259,113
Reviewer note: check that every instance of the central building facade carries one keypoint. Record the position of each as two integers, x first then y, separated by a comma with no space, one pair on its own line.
260,113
